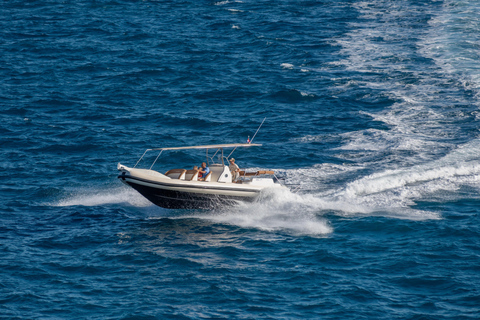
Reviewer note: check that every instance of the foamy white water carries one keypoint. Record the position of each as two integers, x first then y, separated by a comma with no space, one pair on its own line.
97,196
453,49
389,192
276,210
415,121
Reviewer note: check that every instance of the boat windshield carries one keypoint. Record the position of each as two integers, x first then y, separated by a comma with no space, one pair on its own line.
216,158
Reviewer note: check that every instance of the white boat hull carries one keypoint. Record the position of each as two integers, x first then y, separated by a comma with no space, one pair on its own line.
180,194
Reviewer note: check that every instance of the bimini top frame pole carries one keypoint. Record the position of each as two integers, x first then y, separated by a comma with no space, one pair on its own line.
142,157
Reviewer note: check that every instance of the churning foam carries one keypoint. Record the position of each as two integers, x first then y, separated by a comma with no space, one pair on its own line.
389,193
276,210
425,161
374,44
393,192
453,42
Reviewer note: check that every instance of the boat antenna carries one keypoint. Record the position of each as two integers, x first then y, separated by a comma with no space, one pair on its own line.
249,141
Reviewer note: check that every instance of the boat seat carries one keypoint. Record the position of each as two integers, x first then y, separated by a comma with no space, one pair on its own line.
208,177
252,174
191,175
265,172
216,170
176,174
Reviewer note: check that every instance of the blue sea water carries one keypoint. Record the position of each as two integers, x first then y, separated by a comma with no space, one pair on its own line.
372,110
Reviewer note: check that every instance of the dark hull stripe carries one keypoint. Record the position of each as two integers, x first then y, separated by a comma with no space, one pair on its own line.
172,199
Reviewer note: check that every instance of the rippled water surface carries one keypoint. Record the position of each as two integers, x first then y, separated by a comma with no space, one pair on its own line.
372,116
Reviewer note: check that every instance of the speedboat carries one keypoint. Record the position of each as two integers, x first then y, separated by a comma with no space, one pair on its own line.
180,188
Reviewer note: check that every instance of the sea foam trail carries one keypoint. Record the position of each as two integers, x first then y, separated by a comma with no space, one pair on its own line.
459,167
275,210
415,121
417,158
454,50
103,196
392,192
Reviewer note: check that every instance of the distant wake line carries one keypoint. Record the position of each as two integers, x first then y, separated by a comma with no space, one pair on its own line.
438,61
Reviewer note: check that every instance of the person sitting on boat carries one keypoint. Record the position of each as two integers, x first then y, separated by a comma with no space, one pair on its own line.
199,175
234,169
199,172
204,170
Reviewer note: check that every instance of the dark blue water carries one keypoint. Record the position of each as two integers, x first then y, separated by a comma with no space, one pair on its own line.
372,108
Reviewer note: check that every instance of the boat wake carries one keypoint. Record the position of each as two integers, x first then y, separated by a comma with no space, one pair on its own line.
275,210
90,197
392,193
